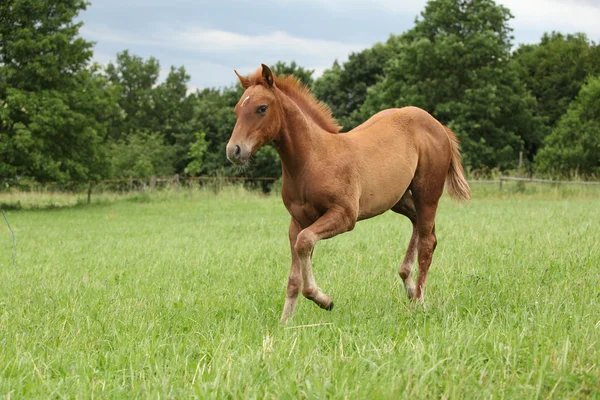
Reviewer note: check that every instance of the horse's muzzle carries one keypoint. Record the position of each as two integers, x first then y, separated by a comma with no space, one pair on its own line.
237,154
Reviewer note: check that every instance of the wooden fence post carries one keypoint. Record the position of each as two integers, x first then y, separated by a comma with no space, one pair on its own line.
89,194
520,161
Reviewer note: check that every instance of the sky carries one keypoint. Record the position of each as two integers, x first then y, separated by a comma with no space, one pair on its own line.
212,38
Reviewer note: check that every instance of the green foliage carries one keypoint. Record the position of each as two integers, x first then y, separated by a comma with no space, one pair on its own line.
303,74
134,79
141,155
455,64
344,88
214,115
574,145
39,46
555,69
266,163
164,108
196,153
175,110
52,104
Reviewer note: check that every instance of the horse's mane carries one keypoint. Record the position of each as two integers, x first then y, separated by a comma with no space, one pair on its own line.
300,94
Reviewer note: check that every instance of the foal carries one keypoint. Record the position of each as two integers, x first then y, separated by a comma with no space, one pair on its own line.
397,160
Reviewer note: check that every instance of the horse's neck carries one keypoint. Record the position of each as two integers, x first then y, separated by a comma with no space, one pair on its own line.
298,140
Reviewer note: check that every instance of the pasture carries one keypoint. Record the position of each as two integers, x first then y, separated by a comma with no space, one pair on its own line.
178,295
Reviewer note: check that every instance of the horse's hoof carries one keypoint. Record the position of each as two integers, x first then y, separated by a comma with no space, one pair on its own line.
329,307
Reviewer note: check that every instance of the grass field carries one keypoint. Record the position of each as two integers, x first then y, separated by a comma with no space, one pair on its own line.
172,296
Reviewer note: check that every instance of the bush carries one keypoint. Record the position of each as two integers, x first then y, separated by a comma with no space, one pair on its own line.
574,145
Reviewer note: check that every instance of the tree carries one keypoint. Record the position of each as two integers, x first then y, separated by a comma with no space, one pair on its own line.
141,155
135,79
574,145
174,111
555,69
303,74
196,153
344,88
455,64
163,108
214,116
53,106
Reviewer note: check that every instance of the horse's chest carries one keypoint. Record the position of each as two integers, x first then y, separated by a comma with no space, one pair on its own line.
305,213
302,210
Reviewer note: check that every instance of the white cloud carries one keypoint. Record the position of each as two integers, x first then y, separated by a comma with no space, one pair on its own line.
234,50
103,33
219,41
212,50
538,16
320,70
532,17
396,6
103,58
214,41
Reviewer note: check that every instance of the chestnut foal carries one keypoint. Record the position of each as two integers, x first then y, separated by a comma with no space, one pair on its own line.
397,160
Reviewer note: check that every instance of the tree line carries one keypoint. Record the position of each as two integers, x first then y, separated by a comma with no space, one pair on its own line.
63,117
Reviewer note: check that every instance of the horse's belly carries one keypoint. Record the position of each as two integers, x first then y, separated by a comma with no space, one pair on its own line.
382,188
373,203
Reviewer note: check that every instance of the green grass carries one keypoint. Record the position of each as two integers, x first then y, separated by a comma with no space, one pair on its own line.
17,200
178,297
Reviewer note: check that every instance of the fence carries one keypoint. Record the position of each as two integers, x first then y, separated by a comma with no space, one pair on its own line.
138,184
534,180
176,181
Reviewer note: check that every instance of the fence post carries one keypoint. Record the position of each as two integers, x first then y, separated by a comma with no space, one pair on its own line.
89,196
520,161
501,183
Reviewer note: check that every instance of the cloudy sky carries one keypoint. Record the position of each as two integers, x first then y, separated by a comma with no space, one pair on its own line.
211,38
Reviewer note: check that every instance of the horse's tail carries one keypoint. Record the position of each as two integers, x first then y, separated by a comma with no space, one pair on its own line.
457,185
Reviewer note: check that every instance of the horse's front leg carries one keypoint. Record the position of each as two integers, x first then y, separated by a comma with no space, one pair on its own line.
332,223
295,278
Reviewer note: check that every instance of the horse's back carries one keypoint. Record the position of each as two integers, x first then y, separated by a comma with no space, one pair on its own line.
412,126
375,118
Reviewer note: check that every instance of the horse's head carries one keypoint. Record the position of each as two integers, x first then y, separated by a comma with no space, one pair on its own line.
258,116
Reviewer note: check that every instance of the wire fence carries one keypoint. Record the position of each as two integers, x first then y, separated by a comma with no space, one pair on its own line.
128,185
549,181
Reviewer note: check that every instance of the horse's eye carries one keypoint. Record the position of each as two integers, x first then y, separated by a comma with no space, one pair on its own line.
261,110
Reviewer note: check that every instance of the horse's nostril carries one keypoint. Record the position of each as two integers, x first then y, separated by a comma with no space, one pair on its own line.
237,151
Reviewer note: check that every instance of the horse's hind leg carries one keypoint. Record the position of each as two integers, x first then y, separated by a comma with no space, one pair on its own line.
406,207
426,195
427,242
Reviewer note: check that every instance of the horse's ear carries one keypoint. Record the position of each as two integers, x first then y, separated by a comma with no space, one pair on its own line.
245,82
267,75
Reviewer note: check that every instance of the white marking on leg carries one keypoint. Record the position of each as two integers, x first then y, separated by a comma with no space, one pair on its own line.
247,97
406,268
289,309
309,285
